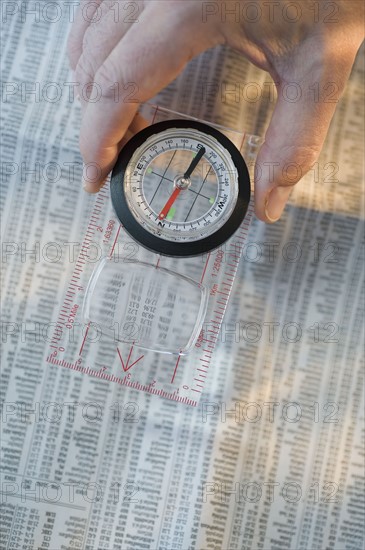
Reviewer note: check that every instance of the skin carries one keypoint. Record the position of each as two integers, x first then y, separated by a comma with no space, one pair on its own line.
317,49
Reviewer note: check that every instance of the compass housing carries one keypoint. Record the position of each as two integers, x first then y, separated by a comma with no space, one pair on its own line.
163,241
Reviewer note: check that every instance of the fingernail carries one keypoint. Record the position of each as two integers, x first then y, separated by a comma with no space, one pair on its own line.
91,175
275,202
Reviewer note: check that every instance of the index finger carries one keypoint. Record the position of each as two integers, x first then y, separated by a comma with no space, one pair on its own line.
147,59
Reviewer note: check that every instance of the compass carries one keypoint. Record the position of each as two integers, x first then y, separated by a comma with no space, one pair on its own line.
180,188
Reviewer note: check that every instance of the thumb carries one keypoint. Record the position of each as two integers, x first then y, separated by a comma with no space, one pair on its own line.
297,130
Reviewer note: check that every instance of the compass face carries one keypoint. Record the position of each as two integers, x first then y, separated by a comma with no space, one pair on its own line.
180,188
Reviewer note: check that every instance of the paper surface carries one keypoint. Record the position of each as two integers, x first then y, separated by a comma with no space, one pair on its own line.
273,456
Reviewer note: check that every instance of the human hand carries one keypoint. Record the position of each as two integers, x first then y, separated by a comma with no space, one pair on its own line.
147,44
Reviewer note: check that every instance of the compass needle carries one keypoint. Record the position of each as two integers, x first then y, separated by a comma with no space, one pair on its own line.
194,163
169,203
181,183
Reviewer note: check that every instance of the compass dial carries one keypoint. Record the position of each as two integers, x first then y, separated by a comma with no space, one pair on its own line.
180,188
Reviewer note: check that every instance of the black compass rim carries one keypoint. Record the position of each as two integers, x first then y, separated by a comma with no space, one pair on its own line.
163,246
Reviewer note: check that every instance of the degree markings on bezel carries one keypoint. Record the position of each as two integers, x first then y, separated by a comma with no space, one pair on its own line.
220,179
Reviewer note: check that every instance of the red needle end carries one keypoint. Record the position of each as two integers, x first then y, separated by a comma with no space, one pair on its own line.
169,203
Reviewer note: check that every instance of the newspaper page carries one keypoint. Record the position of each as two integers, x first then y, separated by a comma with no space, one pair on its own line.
273,457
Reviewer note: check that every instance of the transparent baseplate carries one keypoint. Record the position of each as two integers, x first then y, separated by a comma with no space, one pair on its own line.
142,320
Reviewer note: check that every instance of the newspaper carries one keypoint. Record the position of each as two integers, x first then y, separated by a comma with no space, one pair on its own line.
273,457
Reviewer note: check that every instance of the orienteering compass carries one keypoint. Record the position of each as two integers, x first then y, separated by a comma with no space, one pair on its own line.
180,188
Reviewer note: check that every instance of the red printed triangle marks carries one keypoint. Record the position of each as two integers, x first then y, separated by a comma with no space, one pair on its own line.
126,366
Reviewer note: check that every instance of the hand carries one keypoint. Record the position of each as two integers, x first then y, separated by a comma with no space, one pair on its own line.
315,51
